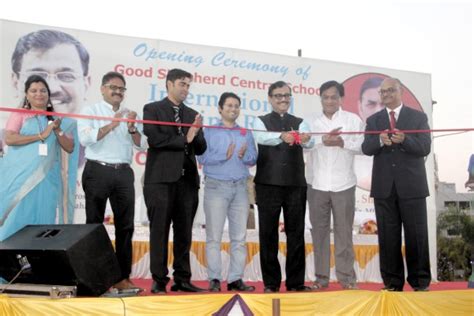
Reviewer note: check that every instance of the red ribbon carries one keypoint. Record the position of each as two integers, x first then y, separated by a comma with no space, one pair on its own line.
243,131
297,137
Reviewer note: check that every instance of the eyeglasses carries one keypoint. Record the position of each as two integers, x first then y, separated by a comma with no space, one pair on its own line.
279,96
62,76
387,91
115,88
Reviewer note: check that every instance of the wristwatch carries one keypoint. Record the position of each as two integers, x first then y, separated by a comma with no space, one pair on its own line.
132,130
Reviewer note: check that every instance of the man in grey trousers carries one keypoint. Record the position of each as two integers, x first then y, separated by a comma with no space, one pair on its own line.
331,186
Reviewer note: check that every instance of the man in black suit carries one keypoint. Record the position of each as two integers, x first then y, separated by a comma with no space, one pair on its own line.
172,181
399,188
280,183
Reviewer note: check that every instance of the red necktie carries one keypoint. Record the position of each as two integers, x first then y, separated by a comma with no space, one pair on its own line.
392,120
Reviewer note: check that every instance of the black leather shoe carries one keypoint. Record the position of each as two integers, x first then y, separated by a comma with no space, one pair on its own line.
186,287
240,286
158,288
214,285
392,289
299,288
271,289
421,289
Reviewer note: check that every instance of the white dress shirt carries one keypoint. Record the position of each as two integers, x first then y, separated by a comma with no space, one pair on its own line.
330,168
397,114
117,146
396,110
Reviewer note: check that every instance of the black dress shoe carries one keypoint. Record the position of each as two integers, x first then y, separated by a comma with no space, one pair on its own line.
392,289
214,285
158,288
421,289
186,287
299,288
271,289
240,286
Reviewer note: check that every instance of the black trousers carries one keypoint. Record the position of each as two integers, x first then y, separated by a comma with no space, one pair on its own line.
270,200
101,183
168,203
392,213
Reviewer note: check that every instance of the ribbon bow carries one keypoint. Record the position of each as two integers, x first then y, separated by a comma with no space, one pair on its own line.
297,137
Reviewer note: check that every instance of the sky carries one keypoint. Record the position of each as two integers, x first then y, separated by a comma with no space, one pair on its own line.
432,37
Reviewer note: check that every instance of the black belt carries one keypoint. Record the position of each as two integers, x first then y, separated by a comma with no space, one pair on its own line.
111,165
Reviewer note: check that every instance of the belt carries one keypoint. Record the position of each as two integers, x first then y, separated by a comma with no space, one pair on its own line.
227,181
111,165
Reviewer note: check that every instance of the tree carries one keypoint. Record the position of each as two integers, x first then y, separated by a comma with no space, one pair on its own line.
456,250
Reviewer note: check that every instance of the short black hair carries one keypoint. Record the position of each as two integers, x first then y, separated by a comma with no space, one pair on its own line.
225,96
276,85
175,74
44,40
329,84
370,83
111,75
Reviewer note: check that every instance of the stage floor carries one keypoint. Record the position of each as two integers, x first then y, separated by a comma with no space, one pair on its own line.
333,286
445,298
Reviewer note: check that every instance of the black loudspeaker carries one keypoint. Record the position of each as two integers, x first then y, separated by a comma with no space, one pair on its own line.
80,255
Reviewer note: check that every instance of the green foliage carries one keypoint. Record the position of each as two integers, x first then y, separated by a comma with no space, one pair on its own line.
457,250
453,254
468,231
452,220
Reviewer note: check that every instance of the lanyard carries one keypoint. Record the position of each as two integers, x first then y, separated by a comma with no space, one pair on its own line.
40,126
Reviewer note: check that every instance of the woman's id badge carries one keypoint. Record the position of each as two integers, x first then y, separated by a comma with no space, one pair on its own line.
43,149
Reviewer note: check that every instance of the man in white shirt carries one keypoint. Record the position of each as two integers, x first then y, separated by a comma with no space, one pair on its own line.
107,174
331,186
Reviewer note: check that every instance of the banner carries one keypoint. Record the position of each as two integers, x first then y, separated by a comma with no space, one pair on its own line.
145,62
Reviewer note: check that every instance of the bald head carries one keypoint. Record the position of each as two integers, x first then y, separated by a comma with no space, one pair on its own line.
394,81
391,92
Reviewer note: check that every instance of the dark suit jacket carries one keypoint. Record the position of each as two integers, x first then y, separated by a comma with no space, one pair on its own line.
165,158
400,164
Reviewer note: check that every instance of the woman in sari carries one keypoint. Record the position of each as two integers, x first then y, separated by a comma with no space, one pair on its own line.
31,189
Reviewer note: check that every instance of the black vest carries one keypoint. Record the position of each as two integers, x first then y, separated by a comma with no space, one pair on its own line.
283,164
